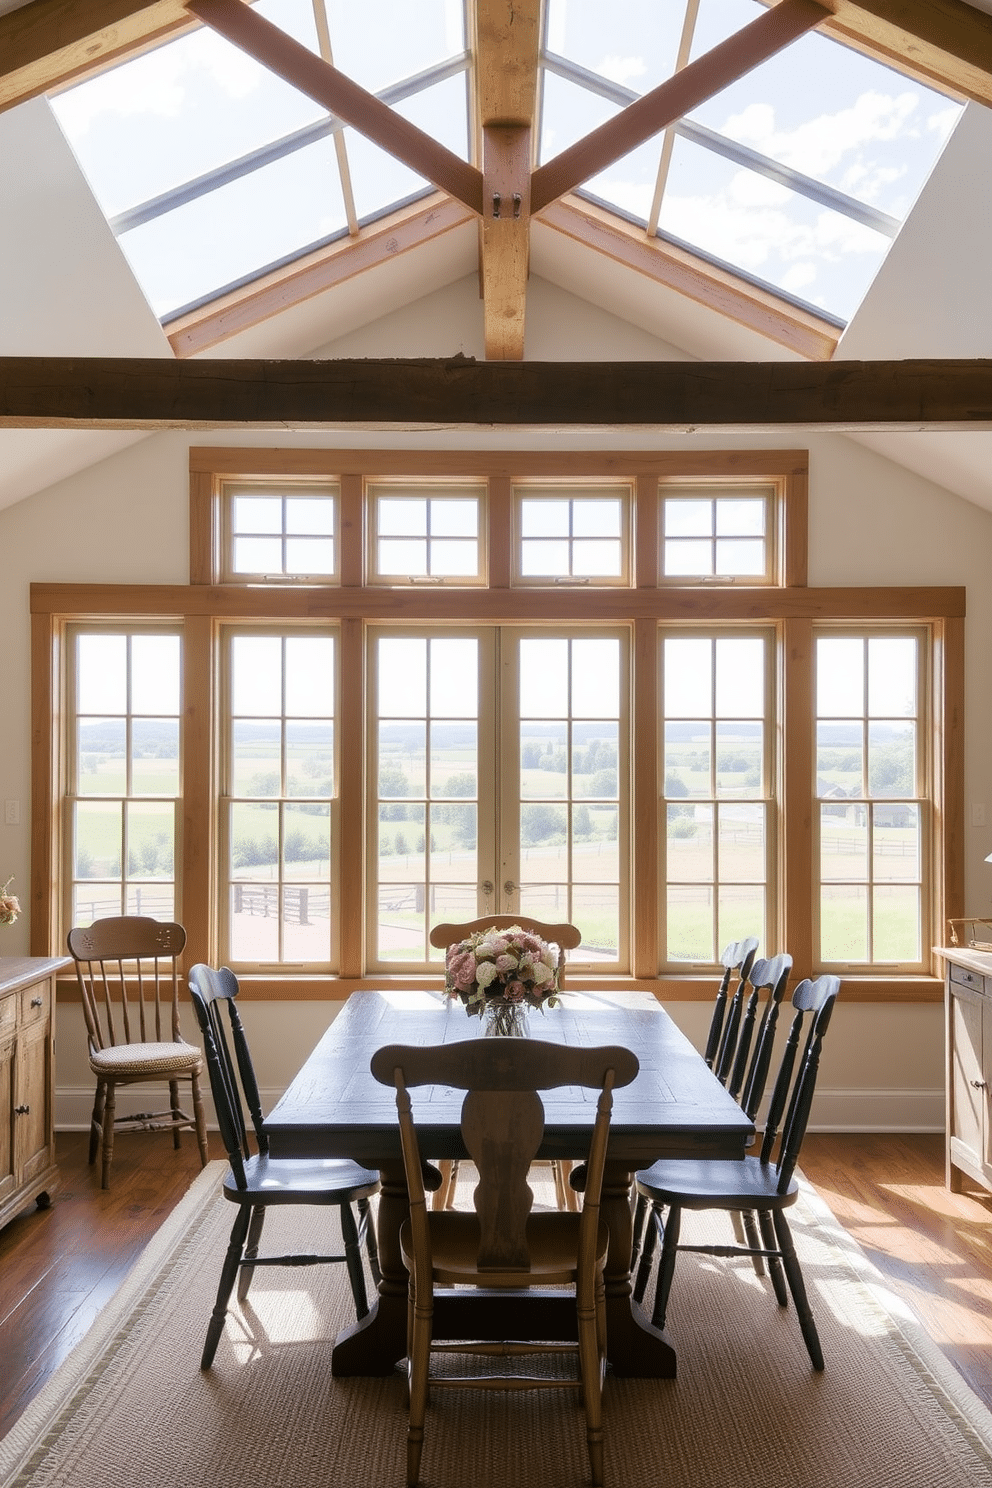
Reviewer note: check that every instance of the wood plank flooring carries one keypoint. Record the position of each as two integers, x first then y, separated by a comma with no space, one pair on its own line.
59,1266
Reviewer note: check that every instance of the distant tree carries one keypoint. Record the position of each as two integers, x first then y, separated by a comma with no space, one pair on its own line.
540,823
460,785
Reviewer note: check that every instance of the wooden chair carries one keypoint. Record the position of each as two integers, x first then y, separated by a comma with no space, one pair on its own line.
255,1180
725,1024
502,1243
764,1185
566,937
128,972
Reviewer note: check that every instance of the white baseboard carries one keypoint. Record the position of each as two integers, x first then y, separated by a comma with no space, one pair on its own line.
839,1110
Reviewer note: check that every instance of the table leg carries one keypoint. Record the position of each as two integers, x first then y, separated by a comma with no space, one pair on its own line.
634,1346
377,1343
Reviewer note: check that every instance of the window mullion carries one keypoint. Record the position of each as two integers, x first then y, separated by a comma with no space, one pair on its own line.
798,884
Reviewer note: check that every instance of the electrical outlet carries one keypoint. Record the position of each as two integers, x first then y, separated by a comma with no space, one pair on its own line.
12,813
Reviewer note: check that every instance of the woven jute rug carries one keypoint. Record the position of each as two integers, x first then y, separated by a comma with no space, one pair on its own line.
131,1409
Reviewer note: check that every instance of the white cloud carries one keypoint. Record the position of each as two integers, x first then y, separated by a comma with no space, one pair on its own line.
818,145
622,70
160,82
798,277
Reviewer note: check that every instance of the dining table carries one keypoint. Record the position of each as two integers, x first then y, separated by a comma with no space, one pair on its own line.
676,1107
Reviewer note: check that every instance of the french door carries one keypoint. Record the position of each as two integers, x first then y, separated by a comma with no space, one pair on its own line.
498,783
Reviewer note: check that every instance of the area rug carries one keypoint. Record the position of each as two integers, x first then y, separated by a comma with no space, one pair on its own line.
131,1409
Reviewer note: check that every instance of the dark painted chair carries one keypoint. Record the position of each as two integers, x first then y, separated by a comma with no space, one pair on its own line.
256,1181
764,1185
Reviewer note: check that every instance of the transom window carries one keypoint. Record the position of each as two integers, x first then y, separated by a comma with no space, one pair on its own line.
713,535
573,538
282,532
423,533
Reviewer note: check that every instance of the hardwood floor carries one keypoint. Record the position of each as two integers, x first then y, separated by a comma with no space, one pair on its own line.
59,1266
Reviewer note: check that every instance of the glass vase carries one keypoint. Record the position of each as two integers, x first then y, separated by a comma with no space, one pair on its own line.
503,1019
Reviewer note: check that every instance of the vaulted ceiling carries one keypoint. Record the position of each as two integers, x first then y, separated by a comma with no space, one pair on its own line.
515,219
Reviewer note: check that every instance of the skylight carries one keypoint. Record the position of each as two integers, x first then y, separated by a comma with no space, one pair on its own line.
211,170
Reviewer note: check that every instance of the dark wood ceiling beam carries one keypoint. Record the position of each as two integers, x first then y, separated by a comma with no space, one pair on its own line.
49,42
304,70
679,95
149,393
945,42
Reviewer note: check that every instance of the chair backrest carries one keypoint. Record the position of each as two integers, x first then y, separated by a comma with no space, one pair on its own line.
128,972
502,1125
770,974
231,1078
792,1093
565,936
725,1023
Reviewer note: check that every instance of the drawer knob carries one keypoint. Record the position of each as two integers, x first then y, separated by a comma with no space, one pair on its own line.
979,1084
37,1001
22,1110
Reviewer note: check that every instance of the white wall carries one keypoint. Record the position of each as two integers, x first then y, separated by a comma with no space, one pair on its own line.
871,522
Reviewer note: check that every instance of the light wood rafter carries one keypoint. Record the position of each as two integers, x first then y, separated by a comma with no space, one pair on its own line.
150,393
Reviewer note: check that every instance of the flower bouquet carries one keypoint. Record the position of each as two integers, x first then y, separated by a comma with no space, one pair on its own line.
502,973
9,905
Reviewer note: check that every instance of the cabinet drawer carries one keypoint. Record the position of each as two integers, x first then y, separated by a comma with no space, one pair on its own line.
963,976
36,1003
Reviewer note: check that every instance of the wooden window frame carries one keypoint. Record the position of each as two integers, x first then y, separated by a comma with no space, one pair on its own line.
203,605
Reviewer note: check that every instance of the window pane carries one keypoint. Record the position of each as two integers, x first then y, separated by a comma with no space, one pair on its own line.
843,923
280,533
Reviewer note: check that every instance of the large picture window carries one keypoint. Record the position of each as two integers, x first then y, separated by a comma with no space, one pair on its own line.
402,689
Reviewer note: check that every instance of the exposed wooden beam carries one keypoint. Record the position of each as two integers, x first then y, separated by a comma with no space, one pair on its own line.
148,393
304,70
507,44
386,241
688,274
945,42
49,42
715,70
505,239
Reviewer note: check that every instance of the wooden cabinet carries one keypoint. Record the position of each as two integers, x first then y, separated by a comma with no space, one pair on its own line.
968,1008
27,1094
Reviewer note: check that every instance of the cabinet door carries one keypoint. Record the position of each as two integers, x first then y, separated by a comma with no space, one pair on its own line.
967,1077
7,1117
32,1127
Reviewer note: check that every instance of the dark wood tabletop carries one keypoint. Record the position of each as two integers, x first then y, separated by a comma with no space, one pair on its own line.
675,1108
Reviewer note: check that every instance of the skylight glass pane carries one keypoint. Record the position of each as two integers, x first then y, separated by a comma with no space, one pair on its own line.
377,42
379,180
237,230
637,45
569,113
830,113
773,234
149,125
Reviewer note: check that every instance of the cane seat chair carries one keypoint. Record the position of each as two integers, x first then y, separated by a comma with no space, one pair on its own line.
566,937
503,1243
255,1181
127,967
765,1184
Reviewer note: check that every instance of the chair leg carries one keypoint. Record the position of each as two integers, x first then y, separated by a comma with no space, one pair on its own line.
774,1264
753,1240
200,1117
228,1275
97,1119
353,1260
591,1369
109,1115
666,1266
444,1195
652,1228
798,1288
250,1251
419,1351
637,1230
366,1228
176,1110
